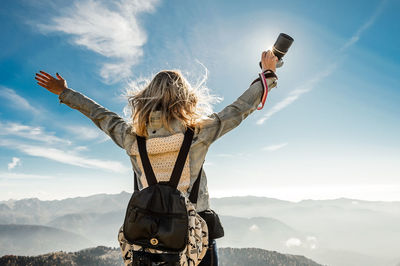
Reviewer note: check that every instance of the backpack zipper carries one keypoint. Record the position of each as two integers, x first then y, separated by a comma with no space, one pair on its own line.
159,214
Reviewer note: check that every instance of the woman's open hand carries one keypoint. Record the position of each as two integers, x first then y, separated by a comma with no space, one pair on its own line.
52,84
268,61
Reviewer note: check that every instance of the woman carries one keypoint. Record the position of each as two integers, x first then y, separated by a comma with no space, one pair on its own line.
161,112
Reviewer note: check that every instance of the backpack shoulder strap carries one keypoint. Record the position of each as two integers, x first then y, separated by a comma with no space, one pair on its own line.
148,170
194,193
180,161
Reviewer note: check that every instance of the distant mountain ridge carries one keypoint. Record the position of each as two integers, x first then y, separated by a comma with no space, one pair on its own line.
99,256
260,257
35,211
333,232
104,256
38,239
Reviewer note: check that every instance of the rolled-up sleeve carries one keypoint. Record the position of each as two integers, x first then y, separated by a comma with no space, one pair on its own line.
109,122
218,124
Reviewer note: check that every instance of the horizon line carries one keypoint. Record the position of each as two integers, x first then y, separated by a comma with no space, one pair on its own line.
218,197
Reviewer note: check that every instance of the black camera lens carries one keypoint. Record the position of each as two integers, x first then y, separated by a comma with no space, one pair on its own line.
282,45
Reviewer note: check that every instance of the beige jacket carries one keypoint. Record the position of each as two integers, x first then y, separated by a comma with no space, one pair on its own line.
162,157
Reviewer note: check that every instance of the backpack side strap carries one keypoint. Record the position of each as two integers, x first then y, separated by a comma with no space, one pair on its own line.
135,182
180,161
194,193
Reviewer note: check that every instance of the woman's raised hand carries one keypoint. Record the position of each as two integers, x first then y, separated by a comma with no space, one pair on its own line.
50,83
268,60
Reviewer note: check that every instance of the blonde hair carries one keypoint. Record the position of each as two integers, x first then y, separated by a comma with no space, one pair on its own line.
170,93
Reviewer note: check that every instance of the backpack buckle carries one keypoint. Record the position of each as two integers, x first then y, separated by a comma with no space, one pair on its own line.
154,241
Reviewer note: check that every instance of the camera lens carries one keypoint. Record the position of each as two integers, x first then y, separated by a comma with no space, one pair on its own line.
282,45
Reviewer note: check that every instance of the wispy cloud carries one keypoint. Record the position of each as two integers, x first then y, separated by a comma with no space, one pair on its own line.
20,136
293,242
109,28
16,101
235,154
327,70
90,132
226,155
312,242
30,132
254,228
67,157
309,242
208,164
72,158
275,147
6,175
364,27
15,161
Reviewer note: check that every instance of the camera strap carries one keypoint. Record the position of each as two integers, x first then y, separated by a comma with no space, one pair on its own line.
265,94
263,78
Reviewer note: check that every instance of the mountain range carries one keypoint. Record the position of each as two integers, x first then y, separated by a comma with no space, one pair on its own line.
334,232
104,256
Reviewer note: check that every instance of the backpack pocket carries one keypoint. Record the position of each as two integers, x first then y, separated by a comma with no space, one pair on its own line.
162,231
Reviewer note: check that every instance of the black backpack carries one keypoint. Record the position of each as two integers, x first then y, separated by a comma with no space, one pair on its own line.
161,224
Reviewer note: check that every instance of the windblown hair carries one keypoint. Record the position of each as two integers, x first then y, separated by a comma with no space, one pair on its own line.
170,93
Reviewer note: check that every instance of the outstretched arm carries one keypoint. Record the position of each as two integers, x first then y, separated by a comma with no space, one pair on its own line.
112,124
232,115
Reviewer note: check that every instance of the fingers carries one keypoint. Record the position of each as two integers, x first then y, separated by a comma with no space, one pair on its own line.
59,77
268,55
46,74
42,76
42,80
262,55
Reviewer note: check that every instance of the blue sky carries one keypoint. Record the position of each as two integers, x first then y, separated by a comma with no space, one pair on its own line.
330,129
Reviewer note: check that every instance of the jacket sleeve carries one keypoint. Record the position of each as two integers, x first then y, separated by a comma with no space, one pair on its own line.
218,124
109,122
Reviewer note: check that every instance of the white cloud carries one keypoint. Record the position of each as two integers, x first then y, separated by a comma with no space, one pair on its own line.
23,176
15,161
312,242
230,155
67,157
45,150
226,155
30,132
275,147
208,164
311,238
356,37
90,133
293,242
109,28
254,228
16,101
81,148
72,158
327,71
